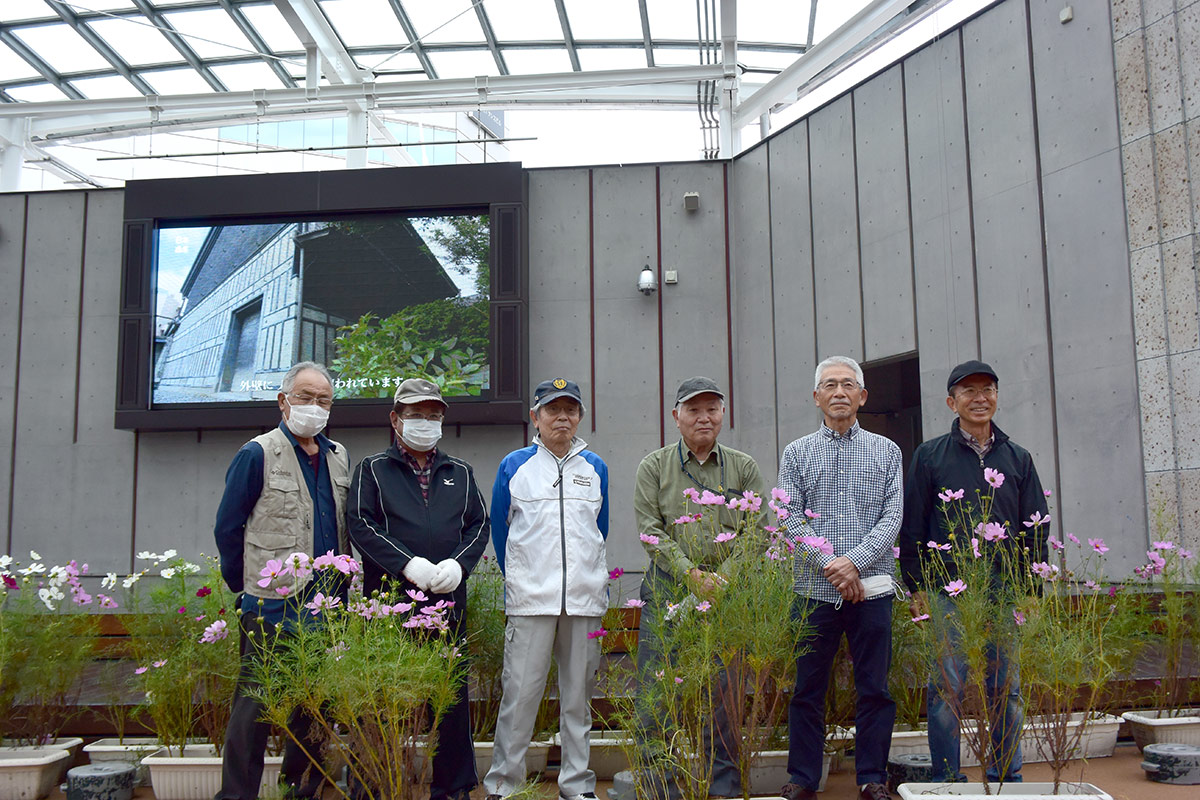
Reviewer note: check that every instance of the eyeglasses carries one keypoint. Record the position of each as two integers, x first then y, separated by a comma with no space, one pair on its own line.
971,392
435,416
309,400
846,385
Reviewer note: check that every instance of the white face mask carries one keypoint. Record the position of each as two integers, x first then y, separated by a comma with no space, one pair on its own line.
306,421
421,434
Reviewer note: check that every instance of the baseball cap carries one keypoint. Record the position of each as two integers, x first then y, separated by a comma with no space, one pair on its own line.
967,368
697,385
554,389
418,390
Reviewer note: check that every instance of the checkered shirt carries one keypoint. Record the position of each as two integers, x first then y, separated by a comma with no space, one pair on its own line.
852,481
422,474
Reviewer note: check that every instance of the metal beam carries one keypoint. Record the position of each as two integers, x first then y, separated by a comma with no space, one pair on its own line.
730,137
489,34
177,41
100,46
260,44
309,24
414,40
782,88
44,69
646,40
568,39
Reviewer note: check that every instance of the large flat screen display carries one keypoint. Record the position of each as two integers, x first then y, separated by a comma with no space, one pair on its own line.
377,298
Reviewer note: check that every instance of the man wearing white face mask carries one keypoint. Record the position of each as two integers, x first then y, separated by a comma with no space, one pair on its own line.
418,518
285,492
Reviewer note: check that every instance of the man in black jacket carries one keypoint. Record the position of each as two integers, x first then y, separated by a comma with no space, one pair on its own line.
954,461
418,518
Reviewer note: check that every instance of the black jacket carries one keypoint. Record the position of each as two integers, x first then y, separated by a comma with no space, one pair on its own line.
948,462
390,522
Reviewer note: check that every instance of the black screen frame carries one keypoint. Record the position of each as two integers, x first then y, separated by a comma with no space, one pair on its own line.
496,189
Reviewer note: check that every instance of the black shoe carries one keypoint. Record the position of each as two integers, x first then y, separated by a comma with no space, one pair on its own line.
794,791
874,791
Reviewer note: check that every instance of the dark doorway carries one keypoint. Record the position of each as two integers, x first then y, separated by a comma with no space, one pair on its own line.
241,348
893,406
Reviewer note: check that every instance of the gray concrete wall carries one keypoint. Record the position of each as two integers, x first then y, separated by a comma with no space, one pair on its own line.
1158,88
966,202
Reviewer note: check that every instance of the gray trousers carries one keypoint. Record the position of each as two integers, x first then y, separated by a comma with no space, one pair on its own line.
528,644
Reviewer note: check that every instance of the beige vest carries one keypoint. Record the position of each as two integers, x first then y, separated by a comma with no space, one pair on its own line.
282,520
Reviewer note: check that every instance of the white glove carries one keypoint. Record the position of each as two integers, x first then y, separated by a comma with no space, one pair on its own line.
420,571
449,576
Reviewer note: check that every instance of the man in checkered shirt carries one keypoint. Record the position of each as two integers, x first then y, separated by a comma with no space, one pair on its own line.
846,507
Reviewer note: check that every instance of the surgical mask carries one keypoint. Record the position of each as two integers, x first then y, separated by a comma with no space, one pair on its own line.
421,434
306,421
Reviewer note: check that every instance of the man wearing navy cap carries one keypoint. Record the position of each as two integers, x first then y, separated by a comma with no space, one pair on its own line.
549,524
954,461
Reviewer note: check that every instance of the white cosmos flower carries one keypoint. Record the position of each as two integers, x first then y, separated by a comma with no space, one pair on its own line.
131,580
189,567
146,555
33,569
110,580
5,561
168,554
34,556
168,573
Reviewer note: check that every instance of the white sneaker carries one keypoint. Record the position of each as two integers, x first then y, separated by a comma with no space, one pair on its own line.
582,796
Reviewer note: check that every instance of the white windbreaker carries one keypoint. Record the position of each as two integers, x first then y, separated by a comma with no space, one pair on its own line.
549,523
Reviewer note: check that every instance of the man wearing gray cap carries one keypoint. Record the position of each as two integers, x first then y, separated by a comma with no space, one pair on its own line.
954,461
418,518
681,562
550,522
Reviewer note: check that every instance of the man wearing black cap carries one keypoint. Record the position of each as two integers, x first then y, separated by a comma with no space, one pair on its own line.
955,461
417,516
679,561
549,524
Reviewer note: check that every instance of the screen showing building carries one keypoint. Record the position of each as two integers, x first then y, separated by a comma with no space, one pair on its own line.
376,298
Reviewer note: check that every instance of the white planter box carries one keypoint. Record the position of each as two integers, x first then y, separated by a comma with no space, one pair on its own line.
28,773
196,775
70,744
1098,740
907,740
769,772
1155,727
607,752
536,758
130,751
1012,791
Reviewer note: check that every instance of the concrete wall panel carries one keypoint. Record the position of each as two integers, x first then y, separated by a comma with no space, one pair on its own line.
695,311
1013,322
835,231
754,311
943,245
792,274
43,497
889,317
12,243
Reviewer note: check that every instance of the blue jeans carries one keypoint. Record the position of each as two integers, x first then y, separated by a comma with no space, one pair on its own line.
868,630
945,698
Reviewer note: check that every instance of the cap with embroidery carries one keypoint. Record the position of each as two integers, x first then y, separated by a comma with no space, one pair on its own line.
554,389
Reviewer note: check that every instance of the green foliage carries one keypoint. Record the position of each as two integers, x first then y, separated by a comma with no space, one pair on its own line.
467,239
188,683
485,622
908,676
444,341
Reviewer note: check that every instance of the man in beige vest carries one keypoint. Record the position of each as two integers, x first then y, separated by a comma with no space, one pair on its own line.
285,492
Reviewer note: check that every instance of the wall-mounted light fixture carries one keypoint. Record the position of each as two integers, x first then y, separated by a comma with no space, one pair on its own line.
646,283
691,201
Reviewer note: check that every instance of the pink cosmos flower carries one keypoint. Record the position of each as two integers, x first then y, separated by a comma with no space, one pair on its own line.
321,602
808,512
660,674
705,606
416,594
921,618
299,564
158,664
1047,492
271,571
598,634
725,536
140,670
1044,570
685,519
946,496
1052,540
993,532
975,547
648,538
955,588
932,545
708,498
895,552
1073,538
1185,554
679,680
402,608
780,496
691,494
615,573
215,632
1163,545
106,601
634,602
81,598
780,512
994,477
1095,587
1036,519
1018,617
283,591
1098,545
821,544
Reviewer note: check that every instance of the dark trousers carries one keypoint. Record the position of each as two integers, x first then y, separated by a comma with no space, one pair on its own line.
868,630
246,736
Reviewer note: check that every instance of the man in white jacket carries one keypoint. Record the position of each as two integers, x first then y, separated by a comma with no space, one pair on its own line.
549,523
